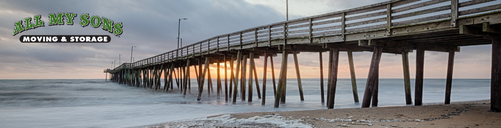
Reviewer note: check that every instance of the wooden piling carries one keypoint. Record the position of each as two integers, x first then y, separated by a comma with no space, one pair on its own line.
329,76
273,76
137,73
165,79
280,90
407,80
251,66
372,78
375,91
496,74
200,84
171,74
145,77
159,77
202,78
235,78
218,78
225,79
256,79
321,78
180,77
187,75
418,95
353,77
333,81
198,71
299,84
448,84
154,78
243,79
284,80
209,81
131,77
143,71
167,74
232,76
175,77
206,72
138,77
150,76
263,100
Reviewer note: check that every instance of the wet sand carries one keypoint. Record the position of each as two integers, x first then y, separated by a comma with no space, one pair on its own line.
456,115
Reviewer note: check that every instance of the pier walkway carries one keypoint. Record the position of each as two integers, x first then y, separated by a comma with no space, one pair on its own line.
396,26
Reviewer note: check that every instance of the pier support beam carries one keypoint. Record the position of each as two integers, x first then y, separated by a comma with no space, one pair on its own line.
280,95
321,78
256,79
375,91
329,75
333,76
235,78
353,77
218,78
373,76
448,85
407,80
283,78
225,79
186,77
165,78
418,95
273,76
171,79
176,77
496,74
209,81
251,66
199,72
298,75
232,76
243,79
202,78
264,78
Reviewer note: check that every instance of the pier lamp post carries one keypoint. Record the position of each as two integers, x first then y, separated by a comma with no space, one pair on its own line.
131,51
287,10
179,33
179,30
119,57
114,63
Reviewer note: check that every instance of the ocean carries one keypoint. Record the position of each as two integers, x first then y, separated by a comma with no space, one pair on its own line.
96,103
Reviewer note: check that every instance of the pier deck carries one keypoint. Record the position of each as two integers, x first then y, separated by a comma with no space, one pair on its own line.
396,26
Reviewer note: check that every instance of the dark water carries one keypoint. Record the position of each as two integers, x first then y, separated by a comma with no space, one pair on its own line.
99,103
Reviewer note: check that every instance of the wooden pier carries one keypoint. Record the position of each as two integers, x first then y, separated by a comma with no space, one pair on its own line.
396,27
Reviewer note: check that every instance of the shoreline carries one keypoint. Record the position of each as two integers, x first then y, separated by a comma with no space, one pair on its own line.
457,114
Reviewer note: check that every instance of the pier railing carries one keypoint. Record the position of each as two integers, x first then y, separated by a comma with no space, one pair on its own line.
383,16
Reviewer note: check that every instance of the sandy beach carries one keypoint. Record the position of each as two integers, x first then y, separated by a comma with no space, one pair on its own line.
456,115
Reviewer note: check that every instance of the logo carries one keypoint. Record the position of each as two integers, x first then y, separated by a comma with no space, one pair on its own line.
67,18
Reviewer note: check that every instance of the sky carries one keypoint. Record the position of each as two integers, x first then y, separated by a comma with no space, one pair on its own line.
151,26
